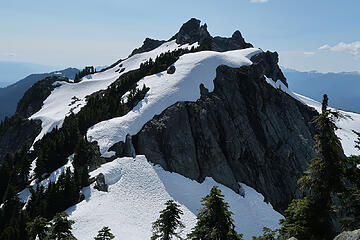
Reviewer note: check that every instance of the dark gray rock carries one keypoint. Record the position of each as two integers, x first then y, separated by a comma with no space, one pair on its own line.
148,45
124,149
204,92
222,44
191,32
350,235
270,60
96,160
171,69
244,131
100,183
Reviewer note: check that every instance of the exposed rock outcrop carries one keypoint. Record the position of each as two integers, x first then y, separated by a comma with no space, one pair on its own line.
350,235
222,44
192,32
100,183
124,149
96,160
148,45
270,60
244,131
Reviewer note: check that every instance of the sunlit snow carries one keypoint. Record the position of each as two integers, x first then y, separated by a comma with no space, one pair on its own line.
70,97
138,191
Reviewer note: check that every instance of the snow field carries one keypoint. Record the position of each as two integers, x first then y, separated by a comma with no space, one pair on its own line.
138,191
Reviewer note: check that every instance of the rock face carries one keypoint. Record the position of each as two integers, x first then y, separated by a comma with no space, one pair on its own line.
124,149
148,45
96,160
244,131
222,44
270,61
192,32
353,235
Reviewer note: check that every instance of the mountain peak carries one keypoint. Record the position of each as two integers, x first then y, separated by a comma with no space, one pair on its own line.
237,36
191,32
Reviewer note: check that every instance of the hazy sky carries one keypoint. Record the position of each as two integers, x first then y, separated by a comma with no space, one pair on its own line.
318,35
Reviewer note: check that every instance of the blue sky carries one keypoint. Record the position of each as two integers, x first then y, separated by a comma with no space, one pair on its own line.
317,35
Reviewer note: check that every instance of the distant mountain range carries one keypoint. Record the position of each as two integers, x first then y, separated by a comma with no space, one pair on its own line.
10,95
342,88
10,72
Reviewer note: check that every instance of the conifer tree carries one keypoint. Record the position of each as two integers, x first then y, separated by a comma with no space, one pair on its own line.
351,197
38,229
164,228
104,234
61,228
214,220
311,217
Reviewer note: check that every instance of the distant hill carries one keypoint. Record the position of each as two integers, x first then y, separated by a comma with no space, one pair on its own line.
10,95
4,84
10,72
342,88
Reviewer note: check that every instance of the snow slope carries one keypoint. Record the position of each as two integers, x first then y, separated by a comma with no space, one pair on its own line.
167,89
138,191
350,121
70,97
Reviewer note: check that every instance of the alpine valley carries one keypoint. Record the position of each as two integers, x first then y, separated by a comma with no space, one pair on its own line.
169,122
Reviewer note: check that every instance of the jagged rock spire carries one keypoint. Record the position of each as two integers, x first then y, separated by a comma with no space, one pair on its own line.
191,32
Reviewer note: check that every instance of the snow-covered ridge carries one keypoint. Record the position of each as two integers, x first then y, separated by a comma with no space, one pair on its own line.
165,90
138,191
70,97
346,124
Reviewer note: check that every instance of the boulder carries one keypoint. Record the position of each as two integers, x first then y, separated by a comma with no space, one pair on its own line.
100,183
349,235
124,149
171,69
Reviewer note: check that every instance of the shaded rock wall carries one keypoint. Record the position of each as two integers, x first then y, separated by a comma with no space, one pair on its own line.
244,131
